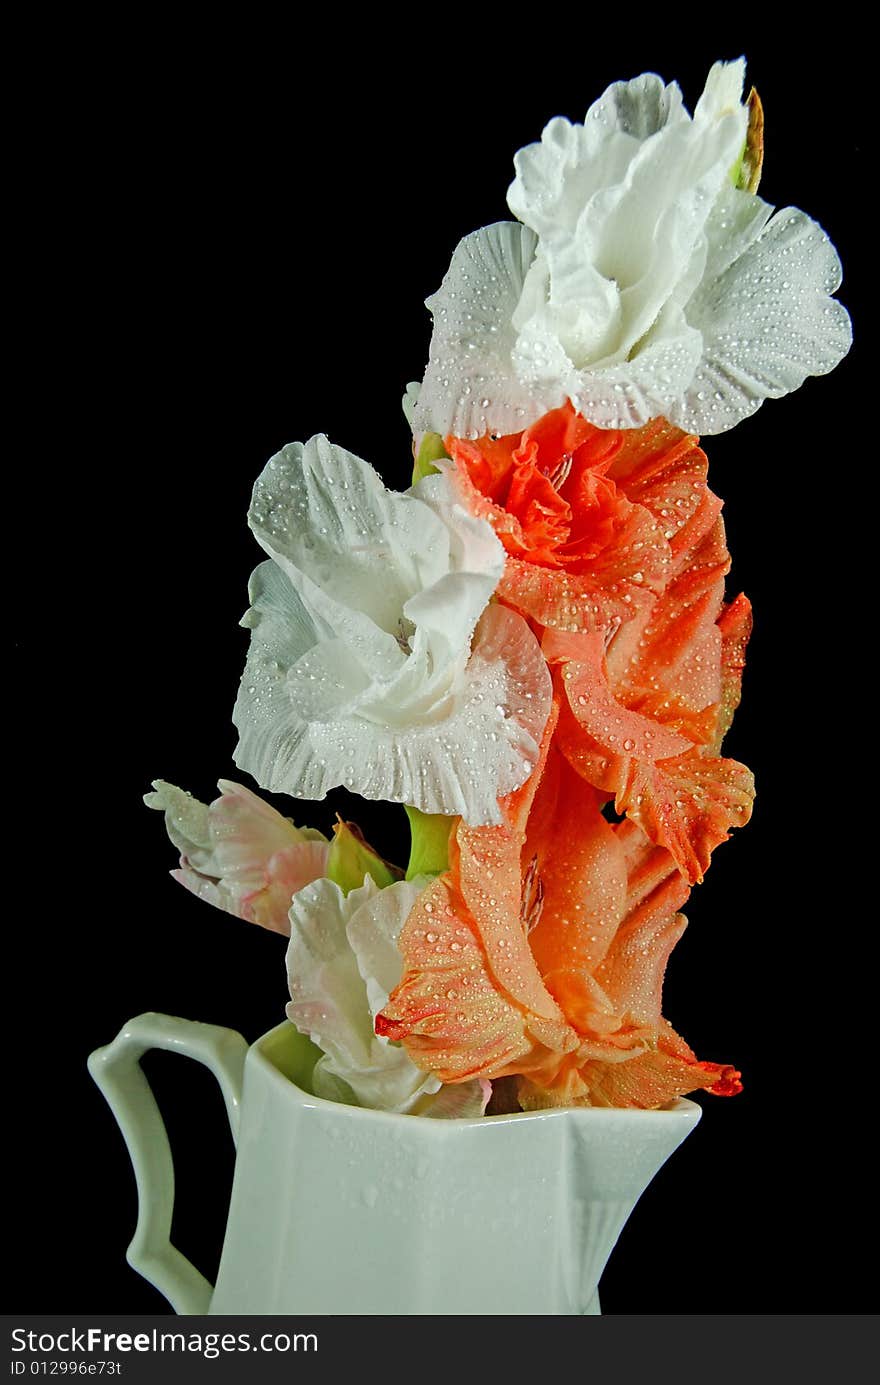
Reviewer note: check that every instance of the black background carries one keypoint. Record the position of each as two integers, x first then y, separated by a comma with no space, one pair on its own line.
237,236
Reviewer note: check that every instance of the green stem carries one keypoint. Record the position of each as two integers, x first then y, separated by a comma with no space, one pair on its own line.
429,852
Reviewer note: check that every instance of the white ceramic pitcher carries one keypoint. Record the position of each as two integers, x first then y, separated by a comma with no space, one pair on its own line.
341,1210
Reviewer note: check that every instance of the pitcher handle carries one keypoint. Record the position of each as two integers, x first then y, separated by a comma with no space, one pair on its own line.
117,1071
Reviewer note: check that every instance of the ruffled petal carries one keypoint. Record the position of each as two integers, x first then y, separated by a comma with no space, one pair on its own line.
634,510
621,219
605,720
480,741
470,387
767,322
688,803
353,551
628,394
448,1009
556,177
472,1002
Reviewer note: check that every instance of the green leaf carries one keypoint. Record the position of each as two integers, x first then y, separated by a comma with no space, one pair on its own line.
429,853
350,858
431,451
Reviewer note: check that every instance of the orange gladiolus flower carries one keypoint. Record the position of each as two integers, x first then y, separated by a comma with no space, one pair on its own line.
616,547
541,953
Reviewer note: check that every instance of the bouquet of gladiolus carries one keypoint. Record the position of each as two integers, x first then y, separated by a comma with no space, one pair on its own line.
530,649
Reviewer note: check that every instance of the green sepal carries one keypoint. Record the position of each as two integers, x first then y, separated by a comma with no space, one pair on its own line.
429,853
431,451
350,858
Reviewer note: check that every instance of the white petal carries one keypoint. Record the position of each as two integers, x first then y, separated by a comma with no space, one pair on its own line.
373,931
278,612
636,247
409,401
557,177
327,682
396,1085
330,996
458,756
213,892
737,219
470,388
326,1084
639,107
448,610
646,233
437,612
474,546
620,204
723,91
767,323
186,822
457,1101
628,394
353,550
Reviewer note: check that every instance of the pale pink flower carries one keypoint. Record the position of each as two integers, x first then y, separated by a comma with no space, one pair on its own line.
238,853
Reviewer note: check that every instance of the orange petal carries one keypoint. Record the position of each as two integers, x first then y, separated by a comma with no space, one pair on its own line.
735,626
617,583
654,883
689,805
607,721
544,517
472,1001
583,875
664,470
448,1009
632,973
652,1079
487,865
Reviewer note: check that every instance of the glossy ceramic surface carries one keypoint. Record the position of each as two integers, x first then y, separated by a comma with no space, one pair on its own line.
340,1210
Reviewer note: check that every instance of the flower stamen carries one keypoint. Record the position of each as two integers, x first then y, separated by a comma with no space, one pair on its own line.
560,473
532,897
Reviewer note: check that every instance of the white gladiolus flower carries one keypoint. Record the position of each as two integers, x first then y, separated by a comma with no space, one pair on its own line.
376,661
640,282
343,962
